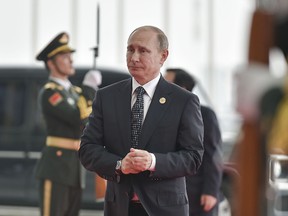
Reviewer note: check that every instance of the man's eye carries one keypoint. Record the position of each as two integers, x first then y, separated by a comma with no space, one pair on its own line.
130,49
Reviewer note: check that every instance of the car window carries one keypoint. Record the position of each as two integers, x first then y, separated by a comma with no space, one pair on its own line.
12,99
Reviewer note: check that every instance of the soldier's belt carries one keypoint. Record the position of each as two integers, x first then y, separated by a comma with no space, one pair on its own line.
66,143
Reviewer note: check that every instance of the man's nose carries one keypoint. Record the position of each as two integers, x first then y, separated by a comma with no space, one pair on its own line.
135,56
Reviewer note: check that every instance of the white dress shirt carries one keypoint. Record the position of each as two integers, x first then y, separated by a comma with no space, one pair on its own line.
65,83
150,88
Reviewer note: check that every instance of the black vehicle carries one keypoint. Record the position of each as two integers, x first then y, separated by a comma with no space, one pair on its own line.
23,134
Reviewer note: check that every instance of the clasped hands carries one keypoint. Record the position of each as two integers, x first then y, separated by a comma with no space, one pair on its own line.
136,161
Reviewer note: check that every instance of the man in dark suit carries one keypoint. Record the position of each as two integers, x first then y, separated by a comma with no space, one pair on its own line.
65,109
204,187
145,177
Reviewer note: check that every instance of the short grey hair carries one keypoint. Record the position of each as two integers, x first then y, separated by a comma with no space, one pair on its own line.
162,38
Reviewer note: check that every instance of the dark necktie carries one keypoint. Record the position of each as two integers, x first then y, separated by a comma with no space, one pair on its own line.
137,113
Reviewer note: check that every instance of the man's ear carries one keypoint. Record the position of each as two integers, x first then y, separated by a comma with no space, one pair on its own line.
165,54
50,64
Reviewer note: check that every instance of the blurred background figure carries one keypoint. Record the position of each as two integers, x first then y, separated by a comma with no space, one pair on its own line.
204,187
274,128
65,109
261,100
274,104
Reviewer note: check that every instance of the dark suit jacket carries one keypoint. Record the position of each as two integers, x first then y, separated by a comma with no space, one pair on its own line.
173,131
209,176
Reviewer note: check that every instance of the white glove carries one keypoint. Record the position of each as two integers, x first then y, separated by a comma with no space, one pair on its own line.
93,79
252,81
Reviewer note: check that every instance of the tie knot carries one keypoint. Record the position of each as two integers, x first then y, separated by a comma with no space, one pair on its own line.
140,90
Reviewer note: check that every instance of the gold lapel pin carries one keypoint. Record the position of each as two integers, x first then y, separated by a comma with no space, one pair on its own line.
162,100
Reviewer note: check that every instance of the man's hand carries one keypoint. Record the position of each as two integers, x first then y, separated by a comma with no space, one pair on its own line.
208,202
136,161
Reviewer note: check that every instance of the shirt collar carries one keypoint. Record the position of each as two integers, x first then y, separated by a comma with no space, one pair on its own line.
65,83
149,87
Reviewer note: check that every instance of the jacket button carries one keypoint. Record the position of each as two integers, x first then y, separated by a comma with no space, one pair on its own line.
59,153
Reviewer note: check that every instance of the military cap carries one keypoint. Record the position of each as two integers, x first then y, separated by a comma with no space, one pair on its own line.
57,45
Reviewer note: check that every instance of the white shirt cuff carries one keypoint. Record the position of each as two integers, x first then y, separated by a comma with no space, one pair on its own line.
152,166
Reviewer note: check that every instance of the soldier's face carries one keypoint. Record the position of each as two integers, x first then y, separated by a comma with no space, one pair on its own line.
63,64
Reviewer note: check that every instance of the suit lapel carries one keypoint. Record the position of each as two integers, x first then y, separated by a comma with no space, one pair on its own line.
159,104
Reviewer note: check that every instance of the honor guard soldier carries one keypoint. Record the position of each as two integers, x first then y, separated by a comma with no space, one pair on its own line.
65,109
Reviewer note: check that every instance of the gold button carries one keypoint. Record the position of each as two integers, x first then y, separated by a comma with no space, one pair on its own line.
59,153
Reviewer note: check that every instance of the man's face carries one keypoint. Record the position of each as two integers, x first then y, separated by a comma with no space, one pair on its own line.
62,65
169,76
144,58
